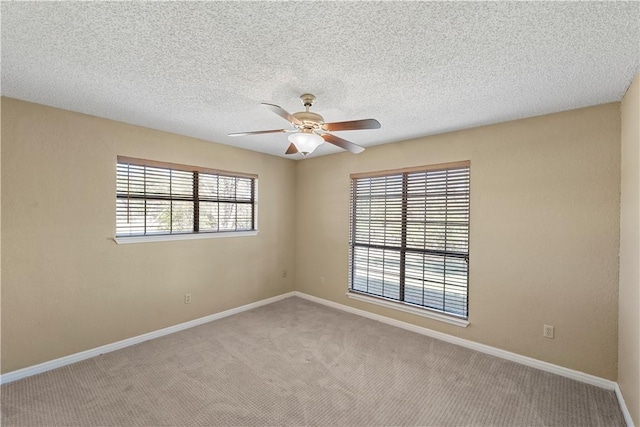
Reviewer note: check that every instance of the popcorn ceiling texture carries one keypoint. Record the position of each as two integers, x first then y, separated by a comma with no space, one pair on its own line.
201,68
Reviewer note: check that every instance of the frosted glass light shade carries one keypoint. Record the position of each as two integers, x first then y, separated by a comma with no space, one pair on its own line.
305,141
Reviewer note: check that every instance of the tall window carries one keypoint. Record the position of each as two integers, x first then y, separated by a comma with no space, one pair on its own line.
409,239
154,198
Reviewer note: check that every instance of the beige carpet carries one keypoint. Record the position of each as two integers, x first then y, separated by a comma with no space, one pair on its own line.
298,363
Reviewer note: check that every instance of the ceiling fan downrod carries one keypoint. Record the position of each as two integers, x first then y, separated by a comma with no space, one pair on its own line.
307,100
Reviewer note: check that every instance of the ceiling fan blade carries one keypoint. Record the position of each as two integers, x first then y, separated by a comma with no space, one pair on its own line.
353,125
259,132
342,143
282,113
291,150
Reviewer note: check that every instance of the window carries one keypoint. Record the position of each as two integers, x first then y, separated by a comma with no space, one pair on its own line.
154,198
409,239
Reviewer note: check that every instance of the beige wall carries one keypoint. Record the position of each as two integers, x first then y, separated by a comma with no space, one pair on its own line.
0,243
544,232
629,317
68,287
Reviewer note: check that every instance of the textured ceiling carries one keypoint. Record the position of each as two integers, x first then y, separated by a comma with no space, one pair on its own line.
202,68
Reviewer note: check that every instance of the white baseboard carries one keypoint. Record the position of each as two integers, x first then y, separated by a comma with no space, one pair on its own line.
524,360
623,406
73,358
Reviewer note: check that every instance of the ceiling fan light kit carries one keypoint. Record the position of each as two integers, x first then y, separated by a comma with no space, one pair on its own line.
311,131
305,141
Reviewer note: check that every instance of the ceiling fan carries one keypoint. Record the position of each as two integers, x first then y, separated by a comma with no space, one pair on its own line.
309,130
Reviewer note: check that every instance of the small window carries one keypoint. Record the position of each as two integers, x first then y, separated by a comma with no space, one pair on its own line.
154,198
409,239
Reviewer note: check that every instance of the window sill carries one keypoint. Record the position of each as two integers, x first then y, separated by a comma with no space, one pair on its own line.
194,236
408,309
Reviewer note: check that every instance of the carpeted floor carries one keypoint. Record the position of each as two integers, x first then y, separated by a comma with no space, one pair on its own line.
298,363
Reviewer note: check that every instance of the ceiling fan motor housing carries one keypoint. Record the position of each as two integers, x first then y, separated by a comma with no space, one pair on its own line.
310,120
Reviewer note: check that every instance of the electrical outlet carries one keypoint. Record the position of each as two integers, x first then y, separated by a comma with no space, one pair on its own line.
547,331
187,298
284,274
322,280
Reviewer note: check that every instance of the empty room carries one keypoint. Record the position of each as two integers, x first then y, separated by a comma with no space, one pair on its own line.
320,213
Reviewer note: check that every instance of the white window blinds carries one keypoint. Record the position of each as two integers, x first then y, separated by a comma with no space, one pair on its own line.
155,198
410,237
